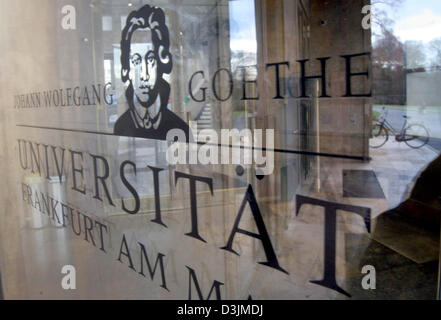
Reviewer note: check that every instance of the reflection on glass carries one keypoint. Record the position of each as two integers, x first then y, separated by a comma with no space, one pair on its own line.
355,180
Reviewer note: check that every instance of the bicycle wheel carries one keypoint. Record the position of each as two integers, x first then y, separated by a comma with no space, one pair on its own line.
416,136
379,136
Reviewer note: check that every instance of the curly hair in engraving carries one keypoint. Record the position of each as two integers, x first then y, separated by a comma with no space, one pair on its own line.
145,58
153,19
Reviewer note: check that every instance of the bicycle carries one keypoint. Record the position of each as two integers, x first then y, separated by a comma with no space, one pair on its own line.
414,135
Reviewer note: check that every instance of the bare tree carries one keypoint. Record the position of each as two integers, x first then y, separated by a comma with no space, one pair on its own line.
380,18
435,47
388,57
415,55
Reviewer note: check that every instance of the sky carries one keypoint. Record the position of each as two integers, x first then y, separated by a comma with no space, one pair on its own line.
243,26
417,20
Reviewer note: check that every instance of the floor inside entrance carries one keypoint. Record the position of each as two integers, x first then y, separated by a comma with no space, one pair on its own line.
404,254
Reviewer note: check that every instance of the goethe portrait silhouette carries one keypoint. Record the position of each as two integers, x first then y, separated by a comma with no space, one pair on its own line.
145,58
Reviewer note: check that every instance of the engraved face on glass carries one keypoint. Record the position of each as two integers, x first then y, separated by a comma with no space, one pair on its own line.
143,67
146,63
